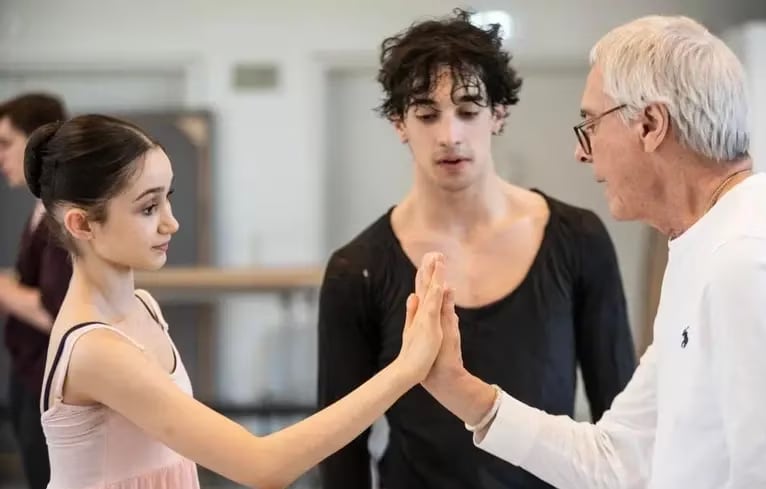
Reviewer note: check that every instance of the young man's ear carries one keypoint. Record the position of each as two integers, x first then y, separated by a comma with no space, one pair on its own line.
499,114
401,129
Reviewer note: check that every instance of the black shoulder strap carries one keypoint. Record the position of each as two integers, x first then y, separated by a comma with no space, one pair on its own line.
57,358
157,320
151,311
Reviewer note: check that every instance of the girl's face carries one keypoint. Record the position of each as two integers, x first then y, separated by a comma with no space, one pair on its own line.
139,220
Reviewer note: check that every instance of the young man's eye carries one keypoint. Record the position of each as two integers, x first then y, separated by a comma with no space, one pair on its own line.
426,117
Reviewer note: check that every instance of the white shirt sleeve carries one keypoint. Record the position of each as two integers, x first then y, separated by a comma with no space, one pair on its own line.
735,303
614,453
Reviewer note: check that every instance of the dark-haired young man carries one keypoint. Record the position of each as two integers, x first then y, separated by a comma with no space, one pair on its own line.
537,283
31,298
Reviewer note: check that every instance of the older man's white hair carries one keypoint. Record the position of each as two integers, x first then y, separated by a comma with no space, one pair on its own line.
679,63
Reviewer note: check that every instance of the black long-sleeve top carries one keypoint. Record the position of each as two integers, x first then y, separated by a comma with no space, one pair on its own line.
569,309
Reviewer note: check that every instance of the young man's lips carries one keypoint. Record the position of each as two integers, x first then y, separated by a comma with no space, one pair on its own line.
452,161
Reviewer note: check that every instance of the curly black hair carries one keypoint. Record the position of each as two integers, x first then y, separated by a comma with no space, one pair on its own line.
475,57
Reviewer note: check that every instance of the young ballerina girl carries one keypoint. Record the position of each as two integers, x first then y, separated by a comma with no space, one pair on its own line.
117,405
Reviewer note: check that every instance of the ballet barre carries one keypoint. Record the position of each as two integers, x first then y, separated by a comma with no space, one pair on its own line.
183,279
198,285
180,283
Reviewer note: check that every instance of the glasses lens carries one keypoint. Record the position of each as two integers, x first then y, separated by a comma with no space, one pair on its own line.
583,139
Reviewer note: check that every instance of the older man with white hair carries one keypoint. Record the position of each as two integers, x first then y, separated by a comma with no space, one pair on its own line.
665,127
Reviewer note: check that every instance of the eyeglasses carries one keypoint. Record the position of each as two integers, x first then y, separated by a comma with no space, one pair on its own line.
580,129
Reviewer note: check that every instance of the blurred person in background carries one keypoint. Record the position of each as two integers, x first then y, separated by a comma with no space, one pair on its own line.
31,298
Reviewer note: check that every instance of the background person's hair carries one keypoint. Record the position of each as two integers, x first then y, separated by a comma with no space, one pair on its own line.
32,110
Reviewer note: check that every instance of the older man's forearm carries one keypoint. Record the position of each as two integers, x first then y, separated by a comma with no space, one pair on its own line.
464,395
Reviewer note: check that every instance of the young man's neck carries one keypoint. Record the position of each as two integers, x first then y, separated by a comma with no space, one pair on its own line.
107,289
463,211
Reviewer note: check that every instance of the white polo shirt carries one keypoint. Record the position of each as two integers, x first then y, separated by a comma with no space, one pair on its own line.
694,413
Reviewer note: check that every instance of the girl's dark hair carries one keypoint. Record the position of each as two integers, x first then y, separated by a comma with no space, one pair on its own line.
475,57
84,162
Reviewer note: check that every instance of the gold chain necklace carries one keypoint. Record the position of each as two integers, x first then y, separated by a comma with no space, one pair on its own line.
717,192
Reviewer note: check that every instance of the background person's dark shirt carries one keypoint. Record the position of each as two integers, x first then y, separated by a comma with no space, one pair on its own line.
41,263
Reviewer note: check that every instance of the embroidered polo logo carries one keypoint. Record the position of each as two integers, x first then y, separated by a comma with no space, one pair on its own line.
685,337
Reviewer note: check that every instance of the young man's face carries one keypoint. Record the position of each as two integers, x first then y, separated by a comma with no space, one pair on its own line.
449,132
12,145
